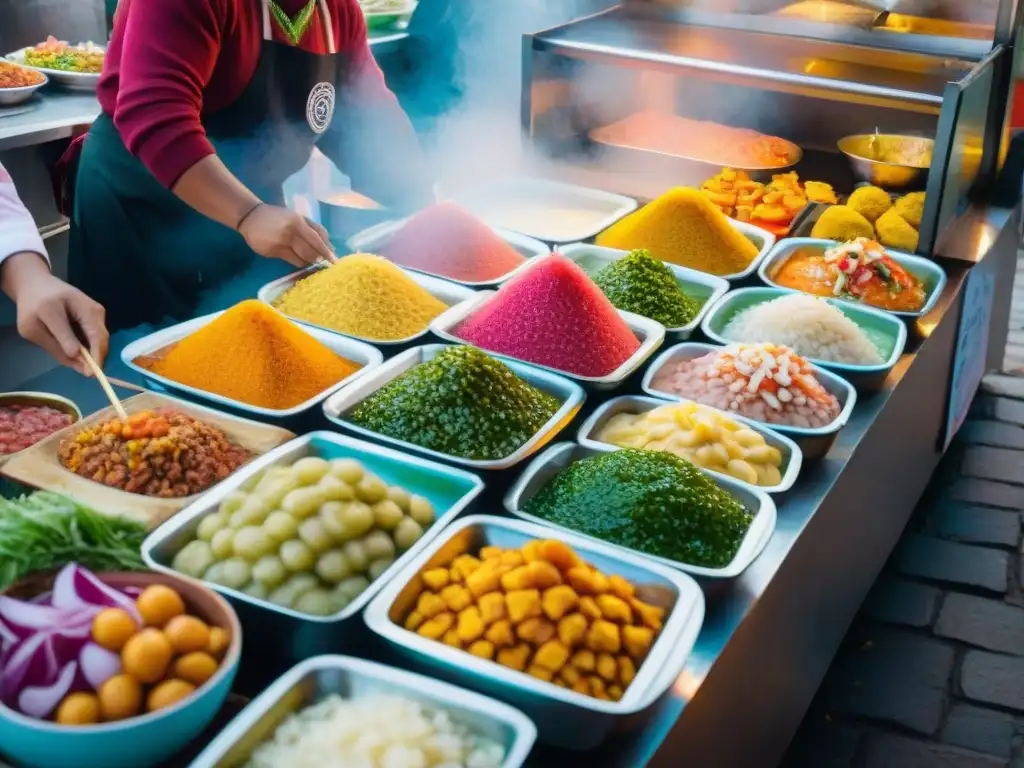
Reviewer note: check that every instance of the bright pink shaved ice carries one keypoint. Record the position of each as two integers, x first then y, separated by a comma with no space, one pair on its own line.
554,315
446,240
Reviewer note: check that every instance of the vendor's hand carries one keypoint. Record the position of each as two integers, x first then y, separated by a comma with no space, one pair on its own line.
49,310
279,233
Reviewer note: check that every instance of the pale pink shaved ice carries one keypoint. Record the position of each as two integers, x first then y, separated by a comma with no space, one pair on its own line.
553,314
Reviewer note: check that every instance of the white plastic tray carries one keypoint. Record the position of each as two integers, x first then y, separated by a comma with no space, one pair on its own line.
569,394
445,290
559,456
356,351
375,239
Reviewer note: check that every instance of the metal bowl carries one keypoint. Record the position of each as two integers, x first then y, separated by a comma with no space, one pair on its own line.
896,177
56,402
11,96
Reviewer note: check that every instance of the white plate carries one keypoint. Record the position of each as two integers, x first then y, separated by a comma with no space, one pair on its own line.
559,456
493,203
77,81
792,456
446,291
376,238
569,394
356,351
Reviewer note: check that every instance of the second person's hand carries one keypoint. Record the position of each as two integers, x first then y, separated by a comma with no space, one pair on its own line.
279,233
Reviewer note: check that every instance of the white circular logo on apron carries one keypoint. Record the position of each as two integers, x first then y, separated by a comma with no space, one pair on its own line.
320,107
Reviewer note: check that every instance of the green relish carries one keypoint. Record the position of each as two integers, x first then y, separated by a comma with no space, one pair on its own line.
462,403
649,501
641,284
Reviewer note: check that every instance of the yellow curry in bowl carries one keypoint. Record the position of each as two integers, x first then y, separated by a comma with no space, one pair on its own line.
860,270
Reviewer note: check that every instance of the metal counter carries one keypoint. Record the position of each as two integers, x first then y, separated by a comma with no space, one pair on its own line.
58,114
770,635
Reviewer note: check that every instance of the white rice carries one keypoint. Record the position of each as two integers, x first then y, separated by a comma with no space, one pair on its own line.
809,325
375,731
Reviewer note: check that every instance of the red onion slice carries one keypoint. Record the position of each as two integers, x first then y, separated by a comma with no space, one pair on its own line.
40,700
98,664
77,589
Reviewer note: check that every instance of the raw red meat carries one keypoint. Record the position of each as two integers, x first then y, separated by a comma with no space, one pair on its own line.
446,240
25,425
553,314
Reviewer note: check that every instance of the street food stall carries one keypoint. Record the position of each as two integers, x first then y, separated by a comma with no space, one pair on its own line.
596,463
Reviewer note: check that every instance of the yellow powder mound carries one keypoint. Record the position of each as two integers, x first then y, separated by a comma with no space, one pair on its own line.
683,227
254,355
363,295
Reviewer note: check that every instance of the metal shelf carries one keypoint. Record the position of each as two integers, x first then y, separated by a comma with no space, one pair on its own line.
792,64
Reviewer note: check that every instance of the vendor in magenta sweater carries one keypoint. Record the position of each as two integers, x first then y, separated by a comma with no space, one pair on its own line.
208,106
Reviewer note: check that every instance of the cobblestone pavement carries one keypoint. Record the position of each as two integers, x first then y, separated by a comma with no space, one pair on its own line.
931,674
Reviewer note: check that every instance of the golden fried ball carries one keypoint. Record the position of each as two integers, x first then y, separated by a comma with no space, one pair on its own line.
147,655
120,698
158,604
195,668
910,207
167,693
78,709
842,223
187,634
112,628
870,202
895,232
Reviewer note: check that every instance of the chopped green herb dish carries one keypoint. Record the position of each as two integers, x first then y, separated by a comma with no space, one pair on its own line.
45,531
641,284
649,501
463,403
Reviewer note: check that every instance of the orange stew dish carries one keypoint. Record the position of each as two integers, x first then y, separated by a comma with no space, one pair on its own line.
14,76
860,270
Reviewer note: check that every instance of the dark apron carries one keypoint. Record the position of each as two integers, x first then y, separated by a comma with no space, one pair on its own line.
147,256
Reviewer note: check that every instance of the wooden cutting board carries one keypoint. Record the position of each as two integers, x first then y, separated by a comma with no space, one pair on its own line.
40,467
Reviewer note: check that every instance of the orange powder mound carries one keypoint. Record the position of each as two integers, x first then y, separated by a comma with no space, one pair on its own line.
683,227
446,240
255,355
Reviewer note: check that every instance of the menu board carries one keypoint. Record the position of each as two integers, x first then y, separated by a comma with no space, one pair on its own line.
969,360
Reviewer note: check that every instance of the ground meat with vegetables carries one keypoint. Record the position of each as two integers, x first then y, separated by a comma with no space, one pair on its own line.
161,453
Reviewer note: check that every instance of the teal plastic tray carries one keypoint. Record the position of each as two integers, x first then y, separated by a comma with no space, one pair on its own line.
887,332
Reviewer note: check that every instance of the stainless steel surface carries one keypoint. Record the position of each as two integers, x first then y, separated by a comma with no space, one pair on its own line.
493,204
931,274
569,394
9,97
445,290
356,351
375,239
792,456
353,679
872,321
949,28
544,467
287,635
814,443
889,176
700,286
564,717
821,67
55,115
